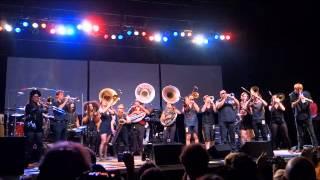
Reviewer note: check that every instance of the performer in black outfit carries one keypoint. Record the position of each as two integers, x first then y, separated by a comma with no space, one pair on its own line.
59,123
278,124
208,109
246,129
227,106
169,114
92,120
300,102
72,120
33,125
121,126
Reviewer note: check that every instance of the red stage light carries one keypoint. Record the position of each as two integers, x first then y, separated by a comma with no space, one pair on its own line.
228,37
1,28
143,33
106,36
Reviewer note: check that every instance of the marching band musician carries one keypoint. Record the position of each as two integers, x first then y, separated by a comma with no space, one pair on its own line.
190,110
227,116
106,116
278,124
122,129
33,125
92,120
71,118
246,129
170,130
138,128
300,103
257,111
60,124
208,109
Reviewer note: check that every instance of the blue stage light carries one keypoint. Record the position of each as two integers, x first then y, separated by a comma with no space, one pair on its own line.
25,24
129,33
165,39
175,34
216,36
17,30
70,31
120,37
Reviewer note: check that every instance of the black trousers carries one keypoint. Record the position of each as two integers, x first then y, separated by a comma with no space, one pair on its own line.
280,128
227,132
259,127
59,131
138,131
123,138
33,153
92,138
169,133
303,125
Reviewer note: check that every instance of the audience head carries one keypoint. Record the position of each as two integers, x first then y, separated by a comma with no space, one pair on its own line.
65,160
243,165
300,168
144,167
210,177
153,173
195,160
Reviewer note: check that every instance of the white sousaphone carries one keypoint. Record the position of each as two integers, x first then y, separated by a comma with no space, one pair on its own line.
144,93
170,94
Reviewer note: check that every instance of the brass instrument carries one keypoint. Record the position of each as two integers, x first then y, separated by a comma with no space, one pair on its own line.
254,90
109,95
170,94
280,96
195,94
144,93
210,97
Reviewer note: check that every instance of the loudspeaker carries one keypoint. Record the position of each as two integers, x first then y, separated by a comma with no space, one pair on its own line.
219,151
256,148
166,154
12,155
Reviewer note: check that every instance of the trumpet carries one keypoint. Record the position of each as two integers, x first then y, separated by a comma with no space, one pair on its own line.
72,99
210,97
195,94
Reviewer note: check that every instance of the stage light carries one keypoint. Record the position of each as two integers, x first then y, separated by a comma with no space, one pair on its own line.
222,37
199,40
8,27
165,39
136,33
113,36
129,33
1,28
228,37
17,30
143,33
106,36
52,31
35,25
182,34
95,28
79,27
70,31
25,24
157,37
43,25
151,38
216,36
189,34
205,41
175,34
86,26
61,30
120,37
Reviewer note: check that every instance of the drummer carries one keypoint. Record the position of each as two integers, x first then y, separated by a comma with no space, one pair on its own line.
33,126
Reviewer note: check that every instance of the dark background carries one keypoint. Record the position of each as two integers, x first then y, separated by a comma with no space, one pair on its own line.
275,43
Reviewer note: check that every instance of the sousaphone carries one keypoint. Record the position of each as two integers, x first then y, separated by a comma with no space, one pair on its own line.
170,94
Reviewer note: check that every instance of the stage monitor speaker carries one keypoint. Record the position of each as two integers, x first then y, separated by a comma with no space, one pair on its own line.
256,148
12,156
166,154
219,151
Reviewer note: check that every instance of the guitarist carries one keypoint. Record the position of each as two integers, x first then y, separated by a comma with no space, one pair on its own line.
120,127
169,115
138,128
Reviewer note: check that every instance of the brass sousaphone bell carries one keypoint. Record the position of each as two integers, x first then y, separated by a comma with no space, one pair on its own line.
254,90
170,94
144,93
109,95
281,96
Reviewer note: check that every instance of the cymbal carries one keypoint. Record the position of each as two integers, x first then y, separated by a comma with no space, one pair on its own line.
10,109
16,115
22,108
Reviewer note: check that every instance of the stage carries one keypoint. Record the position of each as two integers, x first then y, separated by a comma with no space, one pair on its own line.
113,166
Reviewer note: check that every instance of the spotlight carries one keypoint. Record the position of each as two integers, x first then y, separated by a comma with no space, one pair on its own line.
165,39
151,38
157,37
35,25
105,36
199,40
43,25
70,31
25,24
129,33
216,36
79,26
136,33
175,34
205,41
52,31
17,30
1,28
113,36
120,37
228,37
189,34
143,33
95,28
61,30
222,37
86,26
8,27
182,34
